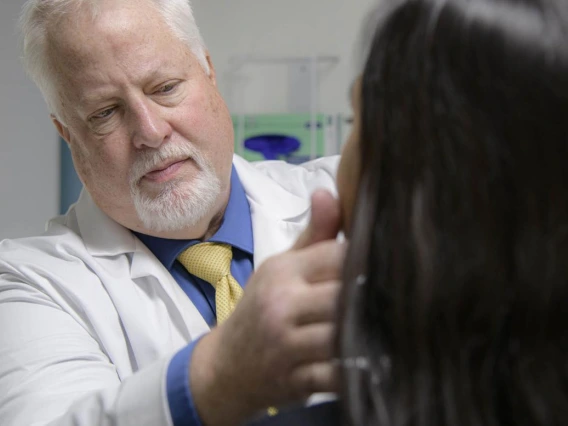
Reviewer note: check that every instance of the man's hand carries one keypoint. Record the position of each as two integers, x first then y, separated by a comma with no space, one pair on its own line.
276,347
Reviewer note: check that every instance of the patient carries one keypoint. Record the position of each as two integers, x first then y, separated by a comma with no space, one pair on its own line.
454,187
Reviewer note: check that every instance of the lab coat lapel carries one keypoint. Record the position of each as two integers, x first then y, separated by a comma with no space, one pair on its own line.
126,266
101,235
277,215
270,235
145,266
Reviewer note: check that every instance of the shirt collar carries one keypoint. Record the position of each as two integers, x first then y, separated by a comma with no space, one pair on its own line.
236,229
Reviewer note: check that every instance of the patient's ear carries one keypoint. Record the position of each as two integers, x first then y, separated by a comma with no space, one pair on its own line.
61,128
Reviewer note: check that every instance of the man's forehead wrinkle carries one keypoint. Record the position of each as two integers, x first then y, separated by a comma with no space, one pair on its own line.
70,52
116,29
66,43
102,58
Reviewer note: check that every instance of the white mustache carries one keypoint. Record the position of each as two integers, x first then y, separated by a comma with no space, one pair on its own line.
149,160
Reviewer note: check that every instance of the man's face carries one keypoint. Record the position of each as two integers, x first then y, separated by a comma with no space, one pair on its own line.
150,135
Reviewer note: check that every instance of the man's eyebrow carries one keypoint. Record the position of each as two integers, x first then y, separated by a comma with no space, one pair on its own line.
158,72
91,99
162,69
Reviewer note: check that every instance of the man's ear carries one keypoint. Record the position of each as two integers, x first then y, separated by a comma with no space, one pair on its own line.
61,128
212,73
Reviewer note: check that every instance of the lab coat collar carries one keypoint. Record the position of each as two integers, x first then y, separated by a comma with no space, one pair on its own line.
265,192
102,235
277,217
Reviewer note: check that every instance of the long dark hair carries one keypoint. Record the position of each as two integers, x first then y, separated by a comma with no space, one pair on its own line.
455,304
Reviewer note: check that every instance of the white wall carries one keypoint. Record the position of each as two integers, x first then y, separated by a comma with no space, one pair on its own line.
29,156
29,153
286,28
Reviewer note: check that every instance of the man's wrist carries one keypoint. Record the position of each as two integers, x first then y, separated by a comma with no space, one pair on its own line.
215,394
180,396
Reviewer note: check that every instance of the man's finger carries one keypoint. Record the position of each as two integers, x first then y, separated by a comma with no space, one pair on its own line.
308,379
325,220
313,343
318,303
321,261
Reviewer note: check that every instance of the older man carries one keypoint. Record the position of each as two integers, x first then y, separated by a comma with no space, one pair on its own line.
119,313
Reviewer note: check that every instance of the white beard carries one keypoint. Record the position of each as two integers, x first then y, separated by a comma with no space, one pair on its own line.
179,204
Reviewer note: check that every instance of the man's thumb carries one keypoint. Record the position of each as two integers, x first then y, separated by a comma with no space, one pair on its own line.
325,220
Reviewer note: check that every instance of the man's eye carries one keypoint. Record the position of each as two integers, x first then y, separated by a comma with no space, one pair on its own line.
106,113
167,88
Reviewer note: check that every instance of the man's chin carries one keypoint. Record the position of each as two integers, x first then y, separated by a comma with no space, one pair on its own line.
160,219
152,191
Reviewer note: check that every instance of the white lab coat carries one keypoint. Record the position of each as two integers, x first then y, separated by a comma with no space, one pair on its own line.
89,318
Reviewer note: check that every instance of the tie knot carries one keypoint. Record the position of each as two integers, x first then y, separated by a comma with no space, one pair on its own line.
208,261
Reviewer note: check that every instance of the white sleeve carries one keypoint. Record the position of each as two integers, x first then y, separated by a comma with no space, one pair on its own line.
53,372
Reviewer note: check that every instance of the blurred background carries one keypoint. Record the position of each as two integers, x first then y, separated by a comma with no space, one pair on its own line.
284,67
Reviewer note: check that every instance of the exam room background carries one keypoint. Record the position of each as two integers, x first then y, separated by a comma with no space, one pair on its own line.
29,148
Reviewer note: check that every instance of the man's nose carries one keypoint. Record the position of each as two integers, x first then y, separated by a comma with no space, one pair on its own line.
149,125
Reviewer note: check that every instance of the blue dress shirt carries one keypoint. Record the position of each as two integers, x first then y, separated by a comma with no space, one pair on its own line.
236,230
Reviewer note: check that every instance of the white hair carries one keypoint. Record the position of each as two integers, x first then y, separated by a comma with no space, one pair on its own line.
39,15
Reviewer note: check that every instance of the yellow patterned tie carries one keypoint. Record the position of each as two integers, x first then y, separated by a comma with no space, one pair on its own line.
212,262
